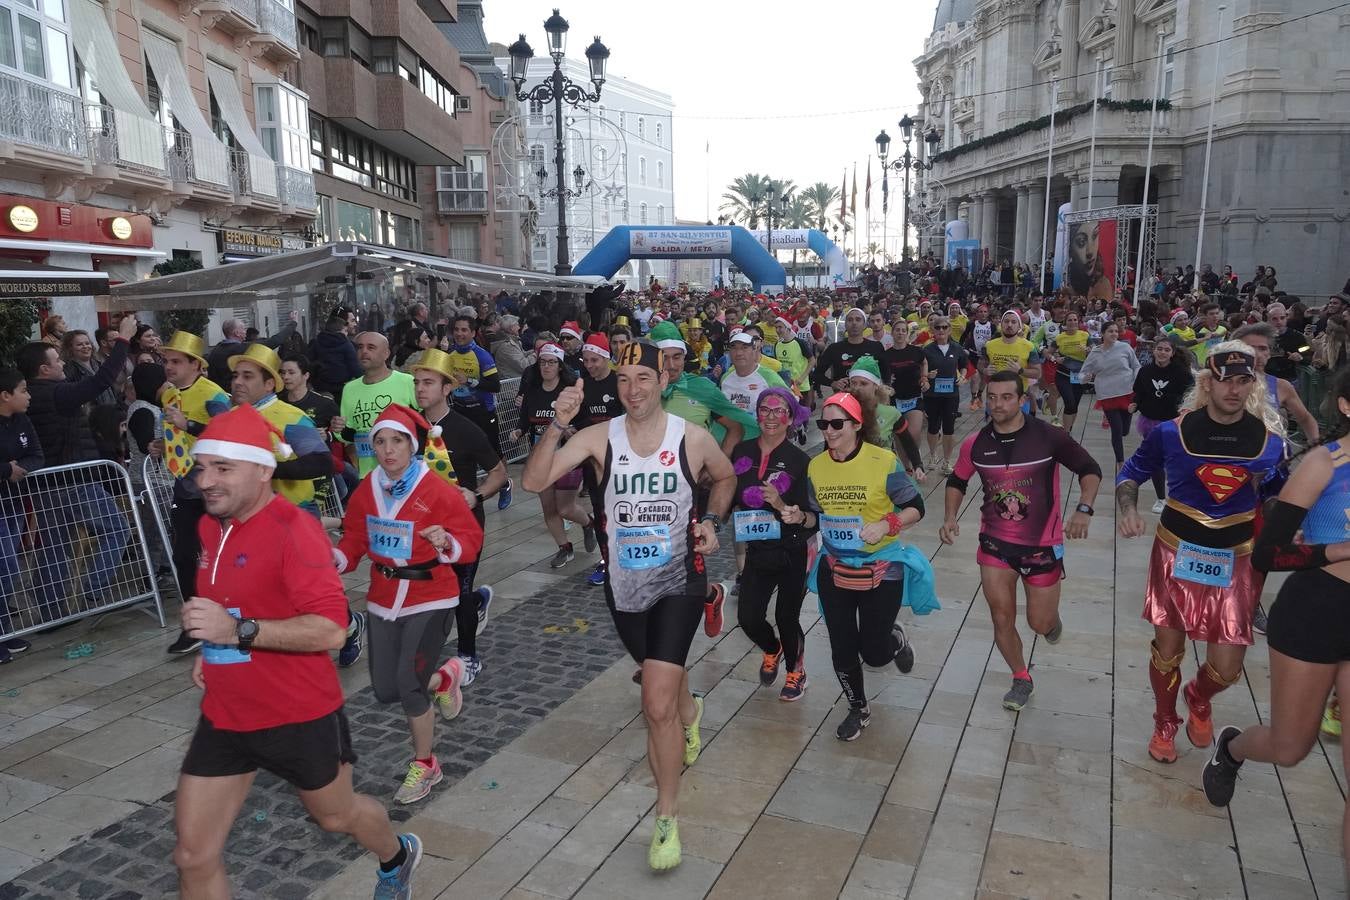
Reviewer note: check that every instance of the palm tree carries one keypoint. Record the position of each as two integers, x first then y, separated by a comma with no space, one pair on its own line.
874,250
743,198
822,198
797,213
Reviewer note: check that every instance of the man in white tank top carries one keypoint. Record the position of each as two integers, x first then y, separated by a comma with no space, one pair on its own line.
654,539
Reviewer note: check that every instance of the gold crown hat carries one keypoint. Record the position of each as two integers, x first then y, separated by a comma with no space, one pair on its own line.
262,356
437,361
188,344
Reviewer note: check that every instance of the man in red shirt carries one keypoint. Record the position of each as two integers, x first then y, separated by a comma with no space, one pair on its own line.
270,608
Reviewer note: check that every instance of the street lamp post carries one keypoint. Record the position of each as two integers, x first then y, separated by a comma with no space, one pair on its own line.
904,164
556,89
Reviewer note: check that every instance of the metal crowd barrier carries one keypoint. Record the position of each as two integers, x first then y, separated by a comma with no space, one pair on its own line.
72,546
1312,386
508,419
157,495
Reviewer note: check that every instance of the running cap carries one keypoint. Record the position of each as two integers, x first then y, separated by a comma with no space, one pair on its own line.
641,353
552,351
597,344
866,367
243,435
1230,364
405,420
744,336
848,403
570,329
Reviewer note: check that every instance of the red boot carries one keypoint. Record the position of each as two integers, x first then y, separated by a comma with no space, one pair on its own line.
1164,676
1198,693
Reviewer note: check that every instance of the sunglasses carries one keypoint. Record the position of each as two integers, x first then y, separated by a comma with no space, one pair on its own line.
826,424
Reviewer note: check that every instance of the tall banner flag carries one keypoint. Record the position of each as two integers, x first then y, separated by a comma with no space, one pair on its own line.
867,191
853,204
843,196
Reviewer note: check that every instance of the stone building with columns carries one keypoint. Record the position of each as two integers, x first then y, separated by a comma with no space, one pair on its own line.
992,68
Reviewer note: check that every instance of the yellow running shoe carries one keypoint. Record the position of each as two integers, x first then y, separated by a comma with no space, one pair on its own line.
1331,718
664,852
692,742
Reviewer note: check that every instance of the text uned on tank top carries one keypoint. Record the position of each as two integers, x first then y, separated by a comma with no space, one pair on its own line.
646,483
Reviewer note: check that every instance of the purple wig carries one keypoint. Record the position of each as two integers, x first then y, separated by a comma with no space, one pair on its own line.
799,413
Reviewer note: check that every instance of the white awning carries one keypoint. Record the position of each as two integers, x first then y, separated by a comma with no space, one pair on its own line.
225,87
72,247
209,155
97,47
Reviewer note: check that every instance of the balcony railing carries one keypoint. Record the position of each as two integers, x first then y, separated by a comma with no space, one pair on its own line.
247,9
296,188
197,162
278,19
43,117
252,176
124,139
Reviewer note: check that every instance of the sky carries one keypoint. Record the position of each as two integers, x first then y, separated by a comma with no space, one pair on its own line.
789,89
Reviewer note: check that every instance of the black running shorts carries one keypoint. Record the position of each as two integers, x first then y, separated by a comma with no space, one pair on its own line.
306,754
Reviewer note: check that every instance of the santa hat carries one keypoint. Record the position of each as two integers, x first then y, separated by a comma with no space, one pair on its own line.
242,434
597,344
552,351
667,337
570,328
405,420
784,322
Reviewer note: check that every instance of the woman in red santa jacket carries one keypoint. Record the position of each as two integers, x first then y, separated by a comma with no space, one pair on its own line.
413,525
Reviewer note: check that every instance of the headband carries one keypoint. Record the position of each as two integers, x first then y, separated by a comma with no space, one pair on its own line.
641,353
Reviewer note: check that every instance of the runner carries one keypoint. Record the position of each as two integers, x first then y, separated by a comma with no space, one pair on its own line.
747,377
411,523
364,398
861,499
699,401
1159,389
470,451
1021,534
600,387
1011,352
558,500
978,333
271,697
655,539
1067,351
771,476
1111,369
946,366
835,360
1307,636
905,370
1201,583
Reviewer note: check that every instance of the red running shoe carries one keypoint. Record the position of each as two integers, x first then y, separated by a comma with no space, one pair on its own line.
1163,746
1199,719
712,610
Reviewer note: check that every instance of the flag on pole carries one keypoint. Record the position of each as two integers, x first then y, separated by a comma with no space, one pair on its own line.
853,203
843,196
867,191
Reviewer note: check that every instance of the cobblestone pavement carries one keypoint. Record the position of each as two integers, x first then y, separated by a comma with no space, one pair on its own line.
536,655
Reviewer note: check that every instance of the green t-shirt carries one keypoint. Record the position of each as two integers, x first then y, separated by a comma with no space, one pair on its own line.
362,404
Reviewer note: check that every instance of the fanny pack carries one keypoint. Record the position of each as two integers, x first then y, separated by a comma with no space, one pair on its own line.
415,572
858,578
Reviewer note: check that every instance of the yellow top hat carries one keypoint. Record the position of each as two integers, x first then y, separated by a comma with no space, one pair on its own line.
621,320
437,361
262,356
188,344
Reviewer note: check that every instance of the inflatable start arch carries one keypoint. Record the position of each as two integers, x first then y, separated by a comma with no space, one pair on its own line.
625,242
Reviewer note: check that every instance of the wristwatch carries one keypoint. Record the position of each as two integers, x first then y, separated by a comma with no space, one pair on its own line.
715,520
246,632
1084,509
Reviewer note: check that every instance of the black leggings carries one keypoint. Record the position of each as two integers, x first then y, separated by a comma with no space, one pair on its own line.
1070,392
466,614
403,654
859,623
941,411
1119,420
782,568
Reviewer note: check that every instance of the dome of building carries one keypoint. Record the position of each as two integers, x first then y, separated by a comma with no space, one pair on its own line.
952,11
